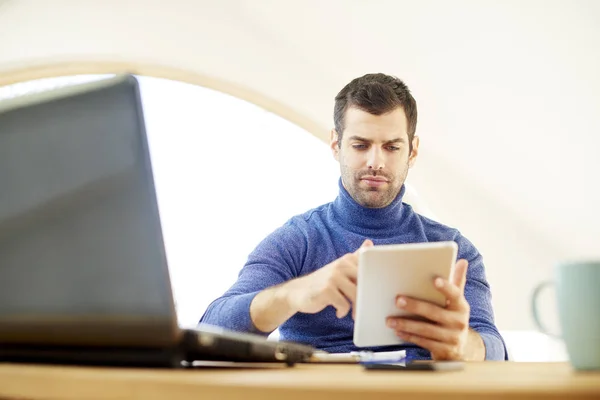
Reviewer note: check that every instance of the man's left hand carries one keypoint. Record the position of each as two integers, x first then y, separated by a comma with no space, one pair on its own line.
447,335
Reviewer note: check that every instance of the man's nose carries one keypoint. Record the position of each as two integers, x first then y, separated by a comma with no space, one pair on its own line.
375,159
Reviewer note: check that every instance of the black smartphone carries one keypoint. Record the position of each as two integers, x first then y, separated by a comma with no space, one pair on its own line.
417,365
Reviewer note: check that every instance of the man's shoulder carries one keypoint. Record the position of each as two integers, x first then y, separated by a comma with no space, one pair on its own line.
303,224
439,232
311,217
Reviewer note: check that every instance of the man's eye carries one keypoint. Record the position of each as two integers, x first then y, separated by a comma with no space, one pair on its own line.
393,148
359,146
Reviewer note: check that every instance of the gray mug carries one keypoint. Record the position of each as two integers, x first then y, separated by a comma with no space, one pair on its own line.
578,298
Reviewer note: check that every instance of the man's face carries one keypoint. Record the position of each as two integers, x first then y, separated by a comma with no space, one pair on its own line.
374,155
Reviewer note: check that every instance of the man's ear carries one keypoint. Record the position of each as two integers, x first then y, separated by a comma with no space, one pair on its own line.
412,158
334,143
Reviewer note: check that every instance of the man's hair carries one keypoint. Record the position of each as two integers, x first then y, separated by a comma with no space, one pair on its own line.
376,94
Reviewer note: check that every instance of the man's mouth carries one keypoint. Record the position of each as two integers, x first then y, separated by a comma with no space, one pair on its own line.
374,181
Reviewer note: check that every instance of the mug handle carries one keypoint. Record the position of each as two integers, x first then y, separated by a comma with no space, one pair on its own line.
534,309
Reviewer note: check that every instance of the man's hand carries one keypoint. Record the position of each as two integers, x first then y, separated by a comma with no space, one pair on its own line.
447,336
334,284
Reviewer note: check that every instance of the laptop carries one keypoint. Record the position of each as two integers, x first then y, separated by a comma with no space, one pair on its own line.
83,269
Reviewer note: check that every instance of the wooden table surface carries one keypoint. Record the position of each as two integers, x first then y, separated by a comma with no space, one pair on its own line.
490,380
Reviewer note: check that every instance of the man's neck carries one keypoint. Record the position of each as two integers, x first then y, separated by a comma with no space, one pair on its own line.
366,220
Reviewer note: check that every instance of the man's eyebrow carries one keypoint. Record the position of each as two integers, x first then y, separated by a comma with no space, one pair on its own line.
361,139
358,138
397,140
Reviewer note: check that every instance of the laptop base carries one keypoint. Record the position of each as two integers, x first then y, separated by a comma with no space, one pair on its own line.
102,356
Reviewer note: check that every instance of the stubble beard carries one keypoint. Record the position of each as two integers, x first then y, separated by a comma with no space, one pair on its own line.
372,197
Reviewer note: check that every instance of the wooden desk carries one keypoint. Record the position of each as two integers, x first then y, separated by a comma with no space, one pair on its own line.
307,382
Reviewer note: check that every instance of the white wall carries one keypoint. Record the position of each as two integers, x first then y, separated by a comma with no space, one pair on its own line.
222,188
517,256
508,93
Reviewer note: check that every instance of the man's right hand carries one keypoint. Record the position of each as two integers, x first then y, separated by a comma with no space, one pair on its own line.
332,285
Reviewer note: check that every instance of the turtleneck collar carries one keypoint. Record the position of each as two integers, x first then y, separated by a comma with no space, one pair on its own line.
371,222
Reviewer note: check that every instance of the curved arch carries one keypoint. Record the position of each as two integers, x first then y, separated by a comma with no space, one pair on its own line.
41,69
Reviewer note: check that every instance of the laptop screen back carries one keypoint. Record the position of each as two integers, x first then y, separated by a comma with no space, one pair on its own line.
82,259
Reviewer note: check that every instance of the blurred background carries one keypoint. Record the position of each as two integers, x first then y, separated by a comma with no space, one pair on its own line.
508,95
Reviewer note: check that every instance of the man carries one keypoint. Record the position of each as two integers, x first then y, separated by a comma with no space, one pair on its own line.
302,277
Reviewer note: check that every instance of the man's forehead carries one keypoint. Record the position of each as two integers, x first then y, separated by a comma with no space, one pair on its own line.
392,125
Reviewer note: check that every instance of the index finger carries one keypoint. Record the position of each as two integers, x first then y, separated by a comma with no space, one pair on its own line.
365,244
350,261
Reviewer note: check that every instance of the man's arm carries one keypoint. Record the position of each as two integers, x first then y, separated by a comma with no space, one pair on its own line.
271,308
479,297
269,290
334,284
275,260
475,349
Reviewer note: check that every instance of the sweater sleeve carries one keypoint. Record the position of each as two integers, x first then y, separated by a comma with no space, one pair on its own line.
277,259
479,297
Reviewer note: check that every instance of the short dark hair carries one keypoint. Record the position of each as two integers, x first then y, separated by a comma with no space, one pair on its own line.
376,94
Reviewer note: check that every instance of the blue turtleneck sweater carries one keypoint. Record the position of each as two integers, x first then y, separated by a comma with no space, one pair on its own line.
312,240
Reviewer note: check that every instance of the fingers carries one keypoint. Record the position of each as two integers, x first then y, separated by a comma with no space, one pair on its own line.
349,262
342,292
454,295
459,274
345,282
439,350
352,258
454,289
423,329
449,318
339,302
348,267
348,289
367,243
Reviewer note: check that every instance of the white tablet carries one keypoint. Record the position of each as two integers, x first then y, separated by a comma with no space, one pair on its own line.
386,271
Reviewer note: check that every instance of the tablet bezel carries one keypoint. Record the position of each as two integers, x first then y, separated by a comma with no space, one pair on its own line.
386,271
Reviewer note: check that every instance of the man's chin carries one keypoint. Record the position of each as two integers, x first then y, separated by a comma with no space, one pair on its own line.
374,200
